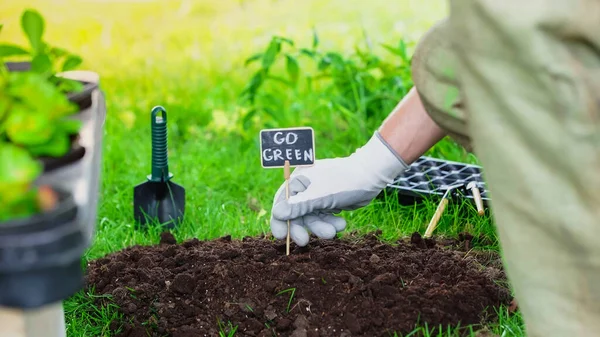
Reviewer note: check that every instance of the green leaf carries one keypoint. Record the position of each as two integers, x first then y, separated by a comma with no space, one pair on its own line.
308,53
286,40
17,165
7,50
25,205
28,127
329,59
269,56
72,62
253,58
57,146
41,64
70,126
278,79
5,102
40,95
293,69
58,52
68,85
336,60
252,87
32,24
18,170
272,113
1,26
402,47
324,63
391,49
246,122
315,42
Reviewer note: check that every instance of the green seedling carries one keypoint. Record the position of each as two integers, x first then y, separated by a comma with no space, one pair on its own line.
402,283
226,331
272,328
132,292
292,291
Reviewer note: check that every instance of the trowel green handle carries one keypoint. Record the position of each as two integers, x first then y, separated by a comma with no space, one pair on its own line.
160,162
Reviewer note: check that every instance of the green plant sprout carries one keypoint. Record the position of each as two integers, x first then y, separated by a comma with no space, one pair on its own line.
402,283
131,292
293,291
228,331
34,111
272,328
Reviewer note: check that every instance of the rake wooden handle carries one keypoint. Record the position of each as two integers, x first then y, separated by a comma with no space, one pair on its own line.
286,175
478,201
436,218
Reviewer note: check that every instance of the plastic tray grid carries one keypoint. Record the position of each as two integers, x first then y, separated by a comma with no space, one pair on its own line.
428,177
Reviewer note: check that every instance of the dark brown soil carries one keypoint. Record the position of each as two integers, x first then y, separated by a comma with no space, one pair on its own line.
331,288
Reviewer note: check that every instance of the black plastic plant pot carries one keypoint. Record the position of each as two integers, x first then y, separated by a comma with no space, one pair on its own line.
40,256
78,172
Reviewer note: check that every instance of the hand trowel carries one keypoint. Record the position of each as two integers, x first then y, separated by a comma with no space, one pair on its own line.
159,198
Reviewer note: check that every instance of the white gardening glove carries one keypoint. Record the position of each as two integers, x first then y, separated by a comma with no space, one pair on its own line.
330,186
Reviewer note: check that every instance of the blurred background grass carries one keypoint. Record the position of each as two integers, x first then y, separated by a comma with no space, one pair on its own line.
206,41
189,56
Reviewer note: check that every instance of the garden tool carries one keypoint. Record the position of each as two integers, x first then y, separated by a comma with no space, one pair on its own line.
159,198
440,209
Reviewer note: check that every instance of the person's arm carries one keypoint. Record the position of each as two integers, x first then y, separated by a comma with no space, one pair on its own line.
409,130
348,183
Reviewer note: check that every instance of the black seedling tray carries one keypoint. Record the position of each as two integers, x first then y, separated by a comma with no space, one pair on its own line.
427,178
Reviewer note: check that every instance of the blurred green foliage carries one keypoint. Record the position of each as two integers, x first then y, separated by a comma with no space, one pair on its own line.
362,88
33,114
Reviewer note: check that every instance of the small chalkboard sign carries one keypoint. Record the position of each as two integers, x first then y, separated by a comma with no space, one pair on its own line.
296,145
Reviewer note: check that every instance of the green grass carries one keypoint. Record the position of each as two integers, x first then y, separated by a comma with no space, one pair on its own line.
86,319
188,56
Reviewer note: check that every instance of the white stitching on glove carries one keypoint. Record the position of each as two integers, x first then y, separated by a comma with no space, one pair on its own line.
330,186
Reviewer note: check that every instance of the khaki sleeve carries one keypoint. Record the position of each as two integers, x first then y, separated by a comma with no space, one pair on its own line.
433,68
529,73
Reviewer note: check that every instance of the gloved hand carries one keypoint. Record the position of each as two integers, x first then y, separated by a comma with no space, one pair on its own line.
331,186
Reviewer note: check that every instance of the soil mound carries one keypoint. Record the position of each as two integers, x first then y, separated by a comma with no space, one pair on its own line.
330,288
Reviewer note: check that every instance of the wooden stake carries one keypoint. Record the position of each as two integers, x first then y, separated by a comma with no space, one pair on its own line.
286,175
478,201
436,218
477,197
